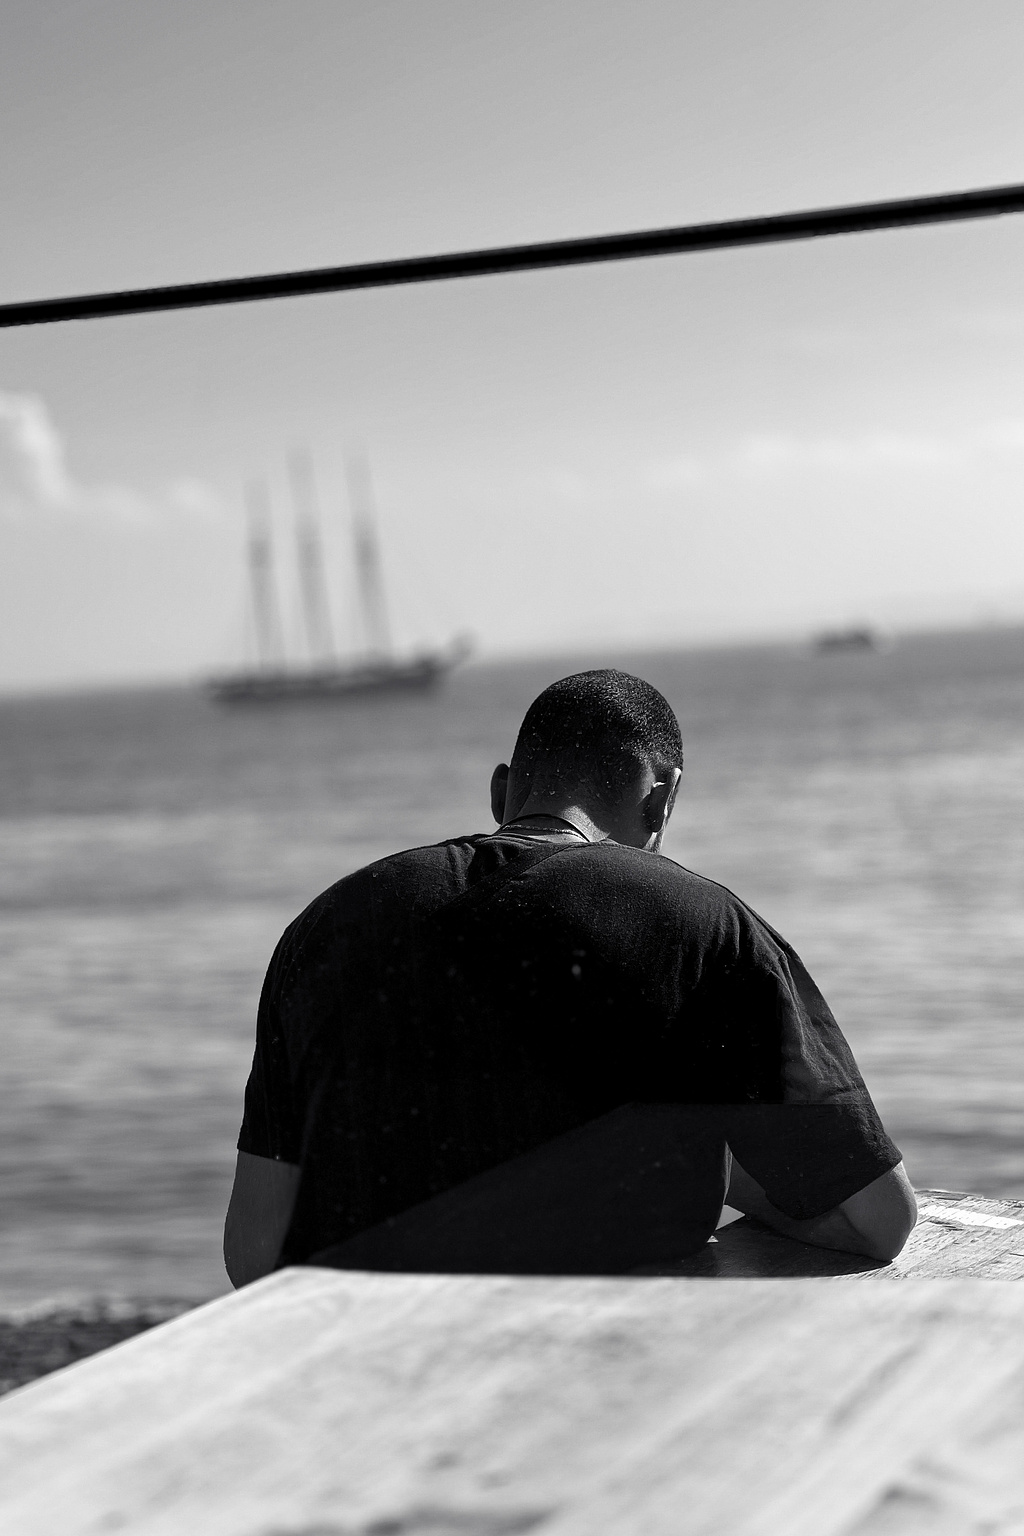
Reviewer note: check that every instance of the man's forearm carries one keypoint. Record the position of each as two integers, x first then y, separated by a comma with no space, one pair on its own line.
834,1229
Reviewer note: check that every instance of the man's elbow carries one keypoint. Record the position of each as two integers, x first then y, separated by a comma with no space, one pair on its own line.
883,1215
237,1272
886,1245
238,1258
248,1254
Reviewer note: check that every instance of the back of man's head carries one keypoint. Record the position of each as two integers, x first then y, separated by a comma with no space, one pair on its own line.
594,732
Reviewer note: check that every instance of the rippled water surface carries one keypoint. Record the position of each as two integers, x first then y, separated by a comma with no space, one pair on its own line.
152,847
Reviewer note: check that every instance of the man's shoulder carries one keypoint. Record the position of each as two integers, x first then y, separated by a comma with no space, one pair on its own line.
410,876
616,879
664,878
412,864
604,876
381,894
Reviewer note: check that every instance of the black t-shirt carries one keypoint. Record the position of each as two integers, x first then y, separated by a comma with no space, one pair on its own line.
590,1023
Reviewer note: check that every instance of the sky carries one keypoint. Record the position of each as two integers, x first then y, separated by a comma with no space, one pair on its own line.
714,447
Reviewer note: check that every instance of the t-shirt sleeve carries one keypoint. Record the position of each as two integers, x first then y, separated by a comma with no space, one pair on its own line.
809,1158
270,1124
816,1138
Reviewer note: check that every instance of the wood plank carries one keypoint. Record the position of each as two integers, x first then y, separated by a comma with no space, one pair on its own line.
349,1404
962,1235
33,1345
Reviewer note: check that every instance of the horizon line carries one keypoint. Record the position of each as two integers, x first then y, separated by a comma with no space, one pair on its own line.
792,636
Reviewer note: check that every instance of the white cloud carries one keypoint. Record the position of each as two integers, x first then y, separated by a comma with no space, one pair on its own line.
779,455
676,474
772,453
1004,323
35,480
821,341
560,483
193,499
32,468
1007,435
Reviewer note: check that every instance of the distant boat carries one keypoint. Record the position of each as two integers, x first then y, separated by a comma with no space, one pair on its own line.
415,673
377,669
857,638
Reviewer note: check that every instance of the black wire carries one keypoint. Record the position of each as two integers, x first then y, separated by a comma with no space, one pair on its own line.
856,218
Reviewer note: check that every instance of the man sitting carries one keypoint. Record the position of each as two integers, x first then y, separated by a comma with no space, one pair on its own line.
549,1049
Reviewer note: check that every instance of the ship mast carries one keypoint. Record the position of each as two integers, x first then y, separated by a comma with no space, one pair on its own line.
266,620
372,601
315,607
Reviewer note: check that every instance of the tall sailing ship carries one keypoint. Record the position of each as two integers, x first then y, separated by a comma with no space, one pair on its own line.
376,668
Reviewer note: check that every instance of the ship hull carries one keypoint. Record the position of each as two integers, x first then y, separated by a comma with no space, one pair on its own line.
326,684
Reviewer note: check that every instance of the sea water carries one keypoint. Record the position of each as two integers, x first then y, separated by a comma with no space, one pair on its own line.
154,845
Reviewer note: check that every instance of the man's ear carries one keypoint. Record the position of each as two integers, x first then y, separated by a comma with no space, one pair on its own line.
662,797
499,792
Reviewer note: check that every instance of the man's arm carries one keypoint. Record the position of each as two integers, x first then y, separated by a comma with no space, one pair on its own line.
876,1221
260,1208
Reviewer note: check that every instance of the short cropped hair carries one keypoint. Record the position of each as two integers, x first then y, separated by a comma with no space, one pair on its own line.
595,730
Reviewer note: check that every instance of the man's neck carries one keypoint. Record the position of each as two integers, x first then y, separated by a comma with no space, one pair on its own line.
546,816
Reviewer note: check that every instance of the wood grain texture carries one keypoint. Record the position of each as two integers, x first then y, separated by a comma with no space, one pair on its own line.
335,1403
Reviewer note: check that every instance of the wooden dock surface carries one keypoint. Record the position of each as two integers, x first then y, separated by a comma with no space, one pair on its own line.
336,1403
957,1236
